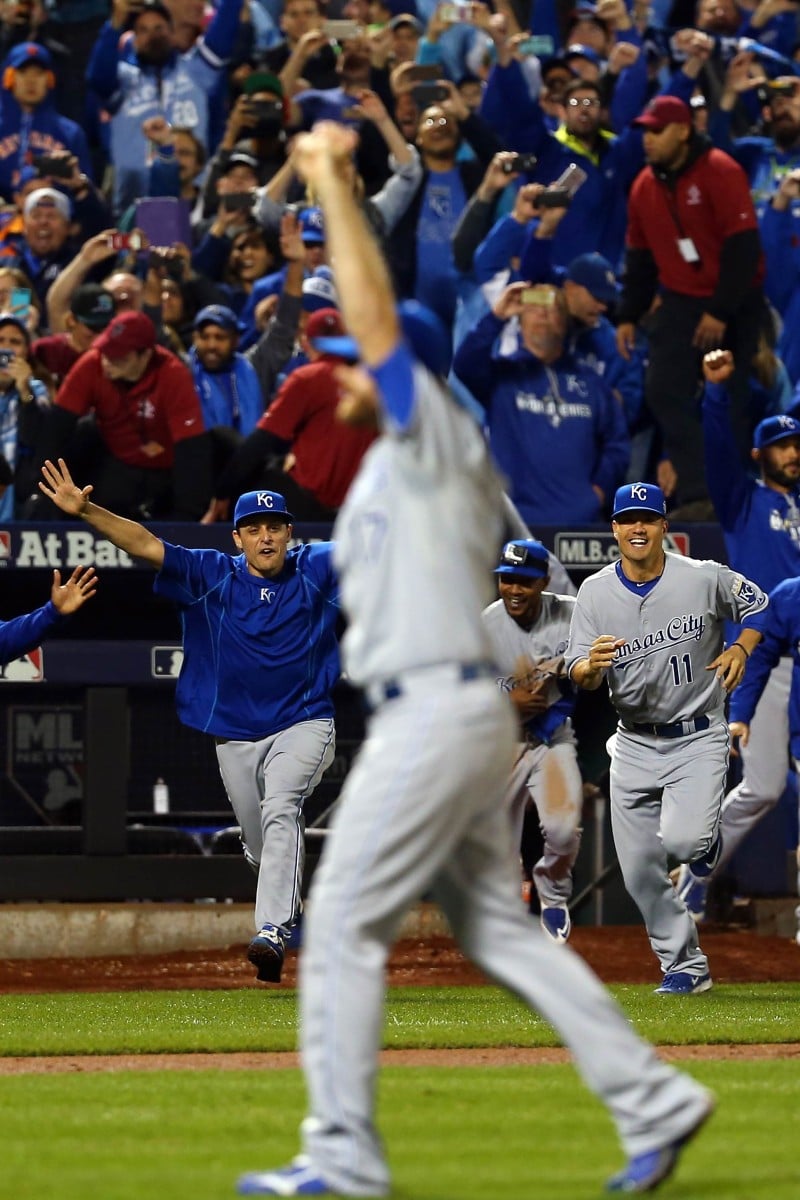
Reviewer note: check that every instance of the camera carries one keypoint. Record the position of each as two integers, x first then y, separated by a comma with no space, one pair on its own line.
6,356
125,241
267,117
53,165
425,94
520,162
553,198
237,201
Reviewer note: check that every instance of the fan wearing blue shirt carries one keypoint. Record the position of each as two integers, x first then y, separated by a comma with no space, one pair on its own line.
260,661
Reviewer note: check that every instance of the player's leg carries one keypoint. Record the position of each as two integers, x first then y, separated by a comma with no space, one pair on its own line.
557,791
636,780
764,769
652,1104
240,769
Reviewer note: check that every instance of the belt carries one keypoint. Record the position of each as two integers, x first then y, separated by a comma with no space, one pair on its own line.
677,729
396,686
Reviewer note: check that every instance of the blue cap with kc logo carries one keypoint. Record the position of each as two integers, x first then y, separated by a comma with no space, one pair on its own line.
524,557
773,429
261,504
639,497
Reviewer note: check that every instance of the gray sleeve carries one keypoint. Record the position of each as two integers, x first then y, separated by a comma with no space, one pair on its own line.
582,630
738,598
274,348
397,193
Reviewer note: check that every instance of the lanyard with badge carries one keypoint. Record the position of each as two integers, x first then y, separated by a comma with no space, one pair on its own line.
686,247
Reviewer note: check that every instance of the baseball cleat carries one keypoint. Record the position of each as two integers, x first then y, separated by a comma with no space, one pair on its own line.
266,952
298,1179
556,923
681,983
644,1172
693,892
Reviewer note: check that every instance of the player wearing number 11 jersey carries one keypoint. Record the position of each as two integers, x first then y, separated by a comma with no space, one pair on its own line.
652,625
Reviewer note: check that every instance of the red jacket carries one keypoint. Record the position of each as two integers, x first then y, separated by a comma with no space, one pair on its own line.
710,201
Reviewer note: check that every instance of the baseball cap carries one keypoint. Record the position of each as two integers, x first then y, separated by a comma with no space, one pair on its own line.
528,557
556,61
241,158
217,314
262,81
406,18
49,198
261,504
28,54
325,331
639,497
596,274
319,290
312,226
773,429
92,305
663,111
578,50
426,334
128,333
7,318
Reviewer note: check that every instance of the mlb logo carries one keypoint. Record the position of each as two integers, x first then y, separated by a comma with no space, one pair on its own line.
29,668
5,544
166,662
679,542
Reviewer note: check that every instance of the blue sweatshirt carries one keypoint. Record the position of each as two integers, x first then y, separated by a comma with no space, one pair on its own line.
781,636
24,136
23,633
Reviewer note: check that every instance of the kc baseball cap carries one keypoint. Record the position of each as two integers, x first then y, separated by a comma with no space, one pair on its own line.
312,226
639,497
28,54
596,274
261,504
217,314
524,557
773,429
47,197
92,305
128,333
319,290
325,331
578,50
663,111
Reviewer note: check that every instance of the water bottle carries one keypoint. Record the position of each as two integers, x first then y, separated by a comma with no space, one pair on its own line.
160,796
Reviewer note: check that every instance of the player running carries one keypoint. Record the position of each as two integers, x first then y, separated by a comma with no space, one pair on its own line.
652,625
260,660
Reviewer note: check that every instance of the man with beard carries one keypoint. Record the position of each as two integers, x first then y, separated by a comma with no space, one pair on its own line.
760,520
692,237
147,76
767,159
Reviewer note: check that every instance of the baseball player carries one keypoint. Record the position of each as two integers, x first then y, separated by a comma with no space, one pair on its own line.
761,523
26,631
529,629
421,807
651,624
260,660
781,639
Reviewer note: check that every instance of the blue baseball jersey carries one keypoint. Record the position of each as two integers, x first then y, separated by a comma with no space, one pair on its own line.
780,636
260,655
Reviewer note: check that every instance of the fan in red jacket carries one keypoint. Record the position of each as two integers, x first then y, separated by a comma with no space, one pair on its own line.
693,238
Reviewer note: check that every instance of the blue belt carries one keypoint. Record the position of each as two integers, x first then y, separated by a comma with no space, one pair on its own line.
677,729
393,688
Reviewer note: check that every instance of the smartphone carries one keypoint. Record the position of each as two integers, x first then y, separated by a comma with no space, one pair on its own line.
55,167
5,358
553,197
451,13
571,179
341,31
20,302
125,241
425,94
237,201
424,73
543,296
520,162
536,45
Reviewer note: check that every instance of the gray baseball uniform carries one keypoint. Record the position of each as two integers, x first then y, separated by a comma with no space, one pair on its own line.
546,770
670,758
421,809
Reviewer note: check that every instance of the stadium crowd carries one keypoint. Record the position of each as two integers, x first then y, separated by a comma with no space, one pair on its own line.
590,199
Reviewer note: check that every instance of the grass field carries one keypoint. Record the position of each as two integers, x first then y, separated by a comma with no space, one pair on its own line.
499,1133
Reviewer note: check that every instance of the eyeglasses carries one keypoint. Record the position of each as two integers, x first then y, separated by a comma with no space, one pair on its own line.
583,102
429,122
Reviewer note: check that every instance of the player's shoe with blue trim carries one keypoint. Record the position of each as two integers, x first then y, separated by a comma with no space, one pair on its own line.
681,983
644,1172
556,923
693,892
266,953
298,1179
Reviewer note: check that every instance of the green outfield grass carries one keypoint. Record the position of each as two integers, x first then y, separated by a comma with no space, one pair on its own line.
453,1134
266,1019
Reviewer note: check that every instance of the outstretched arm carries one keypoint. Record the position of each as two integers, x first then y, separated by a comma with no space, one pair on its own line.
70,596
129,536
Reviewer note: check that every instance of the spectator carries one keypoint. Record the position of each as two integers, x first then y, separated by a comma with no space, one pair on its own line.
13,280
312,232
30,124
24,400
226,382
768,157
153,78
406,32
93,257
556,431
782,254
709,279
304,45
91,308
148,451
302,421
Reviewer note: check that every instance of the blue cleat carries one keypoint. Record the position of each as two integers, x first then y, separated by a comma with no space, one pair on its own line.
645,1172
693,892
266,952
556,923
681,983
298,1179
